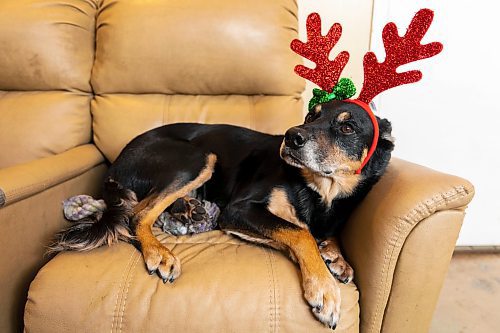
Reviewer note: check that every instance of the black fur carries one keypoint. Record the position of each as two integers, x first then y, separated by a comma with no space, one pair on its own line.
248,168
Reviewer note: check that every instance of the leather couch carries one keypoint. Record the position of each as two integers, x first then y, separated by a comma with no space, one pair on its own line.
80,78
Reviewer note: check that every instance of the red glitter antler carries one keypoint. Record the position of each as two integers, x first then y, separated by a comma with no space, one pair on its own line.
317,48
379,77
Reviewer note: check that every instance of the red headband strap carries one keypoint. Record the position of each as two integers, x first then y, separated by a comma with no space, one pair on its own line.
368,110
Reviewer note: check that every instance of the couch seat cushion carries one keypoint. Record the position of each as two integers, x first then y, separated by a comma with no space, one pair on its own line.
227,285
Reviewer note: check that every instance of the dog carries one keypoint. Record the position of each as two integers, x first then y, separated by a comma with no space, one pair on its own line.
293,192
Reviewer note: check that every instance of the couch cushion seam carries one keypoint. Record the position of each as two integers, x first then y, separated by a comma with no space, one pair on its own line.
270,290
131,272
274,291
277,292
119,288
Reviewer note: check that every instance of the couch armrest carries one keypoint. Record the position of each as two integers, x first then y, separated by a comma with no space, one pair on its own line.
23,180
30,215
400,241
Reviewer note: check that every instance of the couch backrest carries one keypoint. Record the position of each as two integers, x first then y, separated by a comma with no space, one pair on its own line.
133,65
46,57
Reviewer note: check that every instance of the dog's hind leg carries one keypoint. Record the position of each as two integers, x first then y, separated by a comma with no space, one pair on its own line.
156,256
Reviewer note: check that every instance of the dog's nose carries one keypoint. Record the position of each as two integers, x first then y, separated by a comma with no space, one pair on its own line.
295,137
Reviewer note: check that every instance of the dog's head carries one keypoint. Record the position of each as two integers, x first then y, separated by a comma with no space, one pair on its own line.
335,139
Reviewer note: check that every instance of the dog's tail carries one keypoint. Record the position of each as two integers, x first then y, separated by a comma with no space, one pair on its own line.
92,232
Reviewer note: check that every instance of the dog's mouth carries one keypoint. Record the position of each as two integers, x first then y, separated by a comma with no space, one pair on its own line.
288,156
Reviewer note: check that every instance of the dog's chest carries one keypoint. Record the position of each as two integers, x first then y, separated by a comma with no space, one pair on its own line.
313,212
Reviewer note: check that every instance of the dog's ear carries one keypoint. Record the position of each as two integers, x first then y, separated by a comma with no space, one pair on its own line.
380,159
385,131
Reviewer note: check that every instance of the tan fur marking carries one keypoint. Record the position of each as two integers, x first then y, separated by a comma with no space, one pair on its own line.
336,156
324,186
317,108
280,206
330,251
329,188
263,241
320,288
154,206
303,245
344,116
343,181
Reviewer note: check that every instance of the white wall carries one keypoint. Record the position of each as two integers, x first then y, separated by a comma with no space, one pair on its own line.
449,121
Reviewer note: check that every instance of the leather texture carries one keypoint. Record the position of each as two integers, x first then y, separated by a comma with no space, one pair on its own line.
227,285
46,58
196,48
27,226
38,117
46,44
24,180
120,118
419,272
373,239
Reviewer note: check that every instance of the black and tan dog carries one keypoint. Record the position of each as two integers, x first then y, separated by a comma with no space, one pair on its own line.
289,192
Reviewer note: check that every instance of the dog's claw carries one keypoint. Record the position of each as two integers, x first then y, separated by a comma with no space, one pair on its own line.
336,263
151,271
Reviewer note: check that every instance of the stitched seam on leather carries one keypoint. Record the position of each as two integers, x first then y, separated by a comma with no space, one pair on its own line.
277,302
269,280
251,107
432,205
170,98
122,281
131,272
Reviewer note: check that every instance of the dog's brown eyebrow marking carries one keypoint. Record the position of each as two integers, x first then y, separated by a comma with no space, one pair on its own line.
280,206
317,108
344,116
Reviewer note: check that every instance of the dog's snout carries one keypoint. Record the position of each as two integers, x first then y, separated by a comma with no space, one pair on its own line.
295,137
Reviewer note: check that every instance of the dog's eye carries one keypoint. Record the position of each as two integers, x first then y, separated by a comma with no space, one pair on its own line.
346,129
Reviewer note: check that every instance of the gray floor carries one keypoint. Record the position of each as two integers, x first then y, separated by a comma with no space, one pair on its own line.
470,298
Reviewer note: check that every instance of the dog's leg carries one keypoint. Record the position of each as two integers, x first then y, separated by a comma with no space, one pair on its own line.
331,254
320,288
156,256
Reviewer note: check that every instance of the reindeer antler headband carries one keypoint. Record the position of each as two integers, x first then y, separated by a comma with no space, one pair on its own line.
378,77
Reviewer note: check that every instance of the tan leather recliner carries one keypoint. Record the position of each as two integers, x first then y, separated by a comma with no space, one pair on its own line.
79,78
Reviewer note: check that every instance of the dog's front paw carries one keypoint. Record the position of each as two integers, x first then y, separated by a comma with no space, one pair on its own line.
159,259
324,298
336,263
